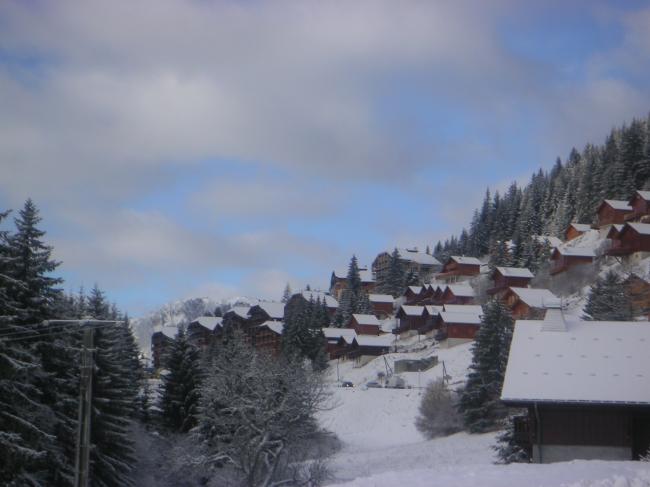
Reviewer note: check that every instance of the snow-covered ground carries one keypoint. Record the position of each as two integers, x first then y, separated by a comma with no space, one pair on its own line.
382,448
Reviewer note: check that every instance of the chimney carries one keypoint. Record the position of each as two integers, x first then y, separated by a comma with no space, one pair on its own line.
554,319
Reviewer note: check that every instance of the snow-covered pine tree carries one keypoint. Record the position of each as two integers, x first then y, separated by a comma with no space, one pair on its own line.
507,449
286,294
479,401
31,265
608,300
500,255
180,387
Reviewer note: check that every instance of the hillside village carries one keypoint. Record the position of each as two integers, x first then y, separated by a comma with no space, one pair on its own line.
441,308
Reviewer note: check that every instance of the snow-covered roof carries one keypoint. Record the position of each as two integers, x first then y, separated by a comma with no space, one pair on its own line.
415,289
461,290
552,241
432,309
275,326
209,322
410,310
366,319
616,226
169,331
535,298
436,285
348,334
463,308
381,298
465,260
577,251
273,309
330,302
643,194
641,228
417,256
241,310
515,272
375,341
581,227
364,273
619,205
461,318
592,361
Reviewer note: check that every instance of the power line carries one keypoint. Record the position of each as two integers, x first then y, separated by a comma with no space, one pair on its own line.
47,334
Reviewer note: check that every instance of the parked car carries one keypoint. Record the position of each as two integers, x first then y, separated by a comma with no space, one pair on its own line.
373,384
346,383
396,382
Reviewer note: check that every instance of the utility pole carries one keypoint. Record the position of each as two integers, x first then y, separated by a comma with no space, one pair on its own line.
82,462
82,457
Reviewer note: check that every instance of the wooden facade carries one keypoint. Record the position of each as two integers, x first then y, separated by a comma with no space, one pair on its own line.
267,337
640,204
634,237
564,260
381,304
161,341
458,295
339,282
574,230
204,331
458,267
612,211
528,304
365,324
411,318
558,432
638,290
502,279
419,263
413,295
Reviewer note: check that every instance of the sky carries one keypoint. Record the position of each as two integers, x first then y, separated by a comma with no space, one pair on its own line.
180,148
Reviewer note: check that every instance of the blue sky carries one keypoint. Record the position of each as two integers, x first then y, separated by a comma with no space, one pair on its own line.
185,148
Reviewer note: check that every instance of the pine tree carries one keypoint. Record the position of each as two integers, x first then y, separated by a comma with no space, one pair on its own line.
286,295
31,265
180,394
479,402
507,448
608,300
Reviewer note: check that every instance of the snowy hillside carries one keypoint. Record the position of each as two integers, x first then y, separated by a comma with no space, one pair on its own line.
382,448
180,312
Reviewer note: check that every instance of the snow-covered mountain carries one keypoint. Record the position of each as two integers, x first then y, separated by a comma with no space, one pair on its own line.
180,312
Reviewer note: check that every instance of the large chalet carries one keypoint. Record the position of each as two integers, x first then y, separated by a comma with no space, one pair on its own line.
416,262
640,204
632,241
565,258
612,211
339,282
458,268
505,277
585,386
527,303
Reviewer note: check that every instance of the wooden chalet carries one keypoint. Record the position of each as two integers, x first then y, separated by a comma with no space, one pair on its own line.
612,211
566,258
414,294
638,289
236,318
161,340
370,346
458,294
265,311
505,277
458,268
204,331
634,238
411,318
305,296
419,263
339,281
613,232
640,204
585,386
527,303
267,337
338,341
459,327
365,324
382,305
574,230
